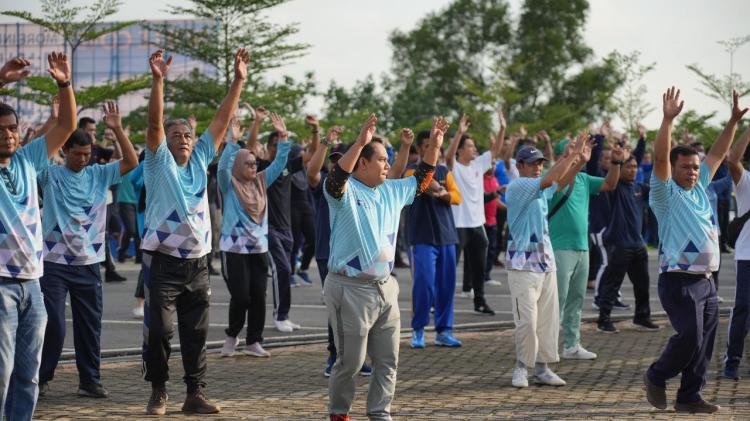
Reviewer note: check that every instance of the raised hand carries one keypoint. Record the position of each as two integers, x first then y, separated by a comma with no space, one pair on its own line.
236,128
333,134
59,67
159,66
737,113
112,118
463,124
605,130
14,70
241,59
312,122
368,130
260,113
501,119
672,106
193,122
619,153
544,136
278,124
641,130
439,128
407,137
524,133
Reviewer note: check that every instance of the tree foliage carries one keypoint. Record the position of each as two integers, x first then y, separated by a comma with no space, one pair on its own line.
630,103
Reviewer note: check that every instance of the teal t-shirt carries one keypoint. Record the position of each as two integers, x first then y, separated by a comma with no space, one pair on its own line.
569,227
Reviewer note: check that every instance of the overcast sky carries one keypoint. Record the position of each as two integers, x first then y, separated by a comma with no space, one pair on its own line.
349,38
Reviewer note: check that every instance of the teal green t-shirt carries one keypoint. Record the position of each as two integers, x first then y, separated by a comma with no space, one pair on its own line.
569,226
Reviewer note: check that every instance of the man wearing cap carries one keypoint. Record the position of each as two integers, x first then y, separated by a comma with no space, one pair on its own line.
569,232
433,239
531,263
468,169
688,254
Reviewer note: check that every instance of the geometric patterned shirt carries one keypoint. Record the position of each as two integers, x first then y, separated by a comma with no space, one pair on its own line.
75,212
688,238
20,225
529,245
177,221
239,233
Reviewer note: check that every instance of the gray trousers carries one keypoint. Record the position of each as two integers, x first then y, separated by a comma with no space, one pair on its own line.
365,319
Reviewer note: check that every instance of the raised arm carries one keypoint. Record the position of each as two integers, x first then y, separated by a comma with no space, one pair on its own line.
724,141
450,154
510,150
640,147
252,137
219,124
566,168
618,157
54,113
14,70
671,107
319,156
336,181
59,69
734,160
113,120
402,158
155,130
497,145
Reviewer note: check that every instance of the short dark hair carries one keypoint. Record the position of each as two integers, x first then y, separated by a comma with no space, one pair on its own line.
6,109
463,141
368,151
77,138
681,150
84,121
422,136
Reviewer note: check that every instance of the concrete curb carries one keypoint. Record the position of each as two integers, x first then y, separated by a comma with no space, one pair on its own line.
126,354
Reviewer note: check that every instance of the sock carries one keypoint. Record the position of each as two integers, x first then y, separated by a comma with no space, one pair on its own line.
540,368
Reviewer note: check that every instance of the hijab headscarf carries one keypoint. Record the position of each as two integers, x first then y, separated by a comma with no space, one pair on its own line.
250,193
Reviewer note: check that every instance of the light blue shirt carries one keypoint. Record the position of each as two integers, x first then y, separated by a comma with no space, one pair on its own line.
364,224
239,233
177,222
75,212
529,245
688,239
20,225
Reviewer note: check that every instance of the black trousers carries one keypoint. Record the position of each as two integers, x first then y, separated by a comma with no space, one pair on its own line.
303,234
175,285
473,242
492,249
632,261
246,276
502,218
323,272
722,210
280,248
129,230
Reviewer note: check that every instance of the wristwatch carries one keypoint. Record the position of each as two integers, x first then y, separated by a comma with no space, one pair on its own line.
617,162
324,141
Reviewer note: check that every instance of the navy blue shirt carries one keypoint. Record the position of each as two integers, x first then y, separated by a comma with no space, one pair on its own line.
322,220
628,203
431,219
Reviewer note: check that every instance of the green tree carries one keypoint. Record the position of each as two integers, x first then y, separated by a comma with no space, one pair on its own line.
630,103
720,87
350,108
76,25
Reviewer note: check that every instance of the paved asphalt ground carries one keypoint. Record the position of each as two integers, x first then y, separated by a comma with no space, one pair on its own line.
122,333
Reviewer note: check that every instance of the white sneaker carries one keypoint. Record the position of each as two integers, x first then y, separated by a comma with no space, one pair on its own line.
282,326
293,325
578,353
548,377
520,378
138,312
465,294
719,299
230,344
493,283
256,350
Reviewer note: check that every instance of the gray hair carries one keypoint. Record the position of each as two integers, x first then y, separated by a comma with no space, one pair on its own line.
177,121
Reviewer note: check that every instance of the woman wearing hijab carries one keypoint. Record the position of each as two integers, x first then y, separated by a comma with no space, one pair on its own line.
244,238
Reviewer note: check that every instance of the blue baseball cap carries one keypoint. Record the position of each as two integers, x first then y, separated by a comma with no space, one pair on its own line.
529,154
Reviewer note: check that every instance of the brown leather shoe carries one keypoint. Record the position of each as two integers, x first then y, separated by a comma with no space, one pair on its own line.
198,403
157,404
698,407
657,396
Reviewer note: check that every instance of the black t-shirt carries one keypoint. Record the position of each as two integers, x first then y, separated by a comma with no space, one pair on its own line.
280,194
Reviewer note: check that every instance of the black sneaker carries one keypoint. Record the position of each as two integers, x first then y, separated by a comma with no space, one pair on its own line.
484,309
43,388
606,327
646,325
656,396
113,276
92,390
619,305
699,407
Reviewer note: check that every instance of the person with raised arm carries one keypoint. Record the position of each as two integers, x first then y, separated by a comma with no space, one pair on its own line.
177,238
73,224
360,294
468,168
244,238
688,253
531,262
22,310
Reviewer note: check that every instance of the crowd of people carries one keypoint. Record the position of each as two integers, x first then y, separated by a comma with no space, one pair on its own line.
569,216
